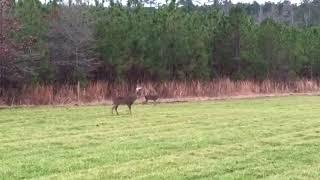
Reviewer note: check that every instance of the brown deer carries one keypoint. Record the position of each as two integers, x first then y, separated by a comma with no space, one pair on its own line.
153,97
125,100
150,94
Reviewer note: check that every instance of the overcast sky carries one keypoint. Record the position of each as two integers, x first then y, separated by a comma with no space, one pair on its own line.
263,1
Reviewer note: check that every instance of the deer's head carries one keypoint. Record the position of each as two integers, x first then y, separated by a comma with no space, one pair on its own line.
138,89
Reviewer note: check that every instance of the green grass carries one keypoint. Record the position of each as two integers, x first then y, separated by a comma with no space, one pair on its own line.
276,138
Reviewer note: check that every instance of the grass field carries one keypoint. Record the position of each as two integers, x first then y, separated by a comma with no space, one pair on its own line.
276,138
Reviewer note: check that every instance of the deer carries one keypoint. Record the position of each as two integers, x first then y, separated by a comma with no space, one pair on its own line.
150,94
125,100
153,97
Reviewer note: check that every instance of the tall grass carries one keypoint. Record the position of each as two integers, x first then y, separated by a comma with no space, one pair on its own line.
100,92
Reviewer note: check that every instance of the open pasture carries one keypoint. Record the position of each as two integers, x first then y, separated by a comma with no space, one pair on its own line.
270,138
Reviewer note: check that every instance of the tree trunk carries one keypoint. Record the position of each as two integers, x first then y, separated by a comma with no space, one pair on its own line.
1,58
78,82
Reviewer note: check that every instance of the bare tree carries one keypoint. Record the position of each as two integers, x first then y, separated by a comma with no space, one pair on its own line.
71,41
16,59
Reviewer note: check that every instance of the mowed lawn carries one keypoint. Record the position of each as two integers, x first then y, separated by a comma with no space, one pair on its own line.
271,138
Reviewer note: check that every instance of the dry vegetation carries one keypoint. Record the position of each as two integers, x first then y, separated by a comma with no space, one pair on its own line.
100,92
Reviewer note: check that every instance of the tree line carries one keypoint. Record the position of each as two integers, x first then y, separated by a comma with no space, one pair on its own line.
57,43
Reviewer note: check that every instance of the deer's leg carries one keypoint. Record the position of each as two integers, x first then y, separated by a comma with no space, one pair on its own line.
116,108
112,108
129,106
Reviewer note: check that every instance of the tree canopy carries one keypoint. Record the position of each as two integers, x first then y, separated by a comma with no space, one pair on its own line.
54,42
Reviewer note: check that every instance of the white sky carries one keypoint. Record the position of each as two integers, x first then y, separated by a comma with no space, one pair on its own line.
263,1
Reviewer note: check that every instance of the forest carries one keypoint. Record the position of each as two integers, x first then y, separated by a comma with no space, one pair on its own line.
55,42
